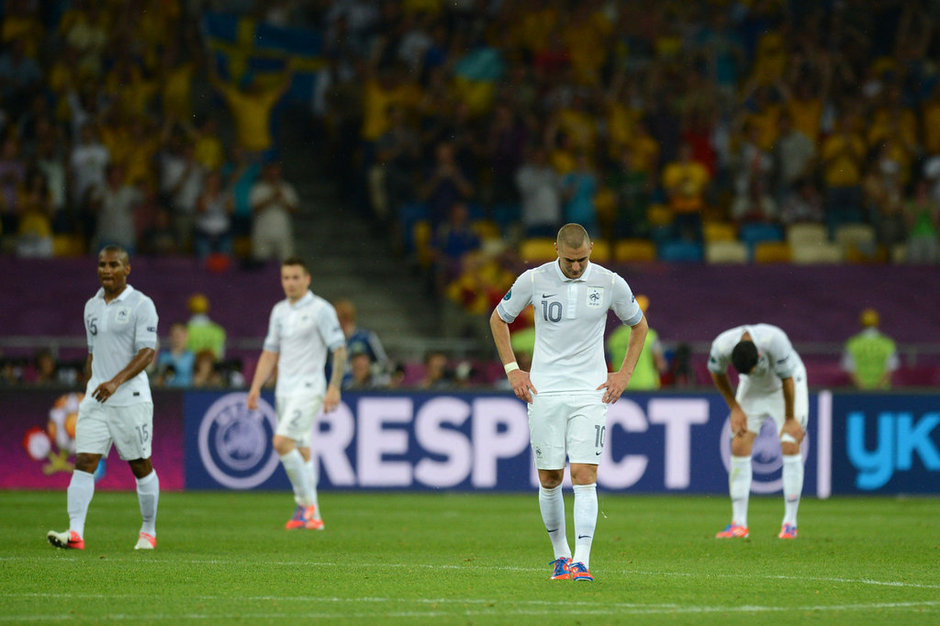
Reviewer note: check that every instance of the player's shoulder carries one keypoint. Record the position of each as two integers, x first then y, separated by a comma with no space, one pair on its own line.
728,338
769,332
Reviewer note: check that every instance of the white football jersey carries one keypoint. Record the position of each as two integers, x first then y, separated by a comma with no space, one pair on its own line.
303,334
778,359
570,320
116,331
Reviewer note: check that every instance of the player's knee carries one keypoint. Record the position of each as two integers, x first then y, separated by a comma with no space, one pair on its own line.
283,445
87,462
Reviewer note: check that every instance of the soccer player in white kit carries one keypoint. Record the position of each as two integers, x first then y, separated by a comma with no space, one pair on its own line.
772,385
303,328
569,386
121,329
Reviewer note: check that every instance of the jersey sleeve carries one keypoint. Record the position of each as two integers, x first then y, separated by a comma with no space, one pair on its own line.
272,341
623,302
718,358
781,351
145,330
517,298
330,329
88,333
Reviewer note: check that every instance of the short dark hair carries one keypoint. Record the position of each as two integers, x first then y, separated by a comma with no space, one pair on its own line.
295,260
116,249
744,356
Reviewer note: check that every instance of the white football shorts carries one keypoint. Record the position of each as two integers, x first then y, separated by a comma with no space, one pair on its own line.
295,416
760,405
567,425
129,428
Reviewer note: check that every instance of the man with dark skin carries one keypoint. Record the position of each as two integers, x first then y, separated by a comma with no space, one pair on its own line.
121,329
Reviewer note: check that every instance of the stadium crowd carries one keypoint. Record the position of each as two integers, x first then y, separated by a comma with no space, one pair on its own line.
469,128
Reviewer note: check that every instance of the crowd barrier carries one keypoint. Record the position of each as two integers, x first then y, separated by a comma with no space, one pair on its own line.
655,443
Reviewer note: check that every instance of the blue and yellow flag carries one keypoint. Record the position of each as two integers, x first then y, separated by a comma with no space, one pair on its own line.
246,49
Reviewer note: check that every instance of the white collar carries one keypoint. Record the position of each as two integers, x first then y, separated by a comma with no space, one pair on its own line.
584,275
128,290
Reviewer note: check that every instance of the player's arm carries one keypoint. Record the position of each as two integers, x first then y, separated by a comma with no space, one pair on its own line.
263,371
518,379
88,361
138,364
332,398
790,425
617,381
738,418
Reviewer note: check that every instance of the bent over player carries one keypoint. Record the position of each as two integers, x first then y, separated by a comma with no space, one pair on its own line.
121,329
772,385
568,388
302,329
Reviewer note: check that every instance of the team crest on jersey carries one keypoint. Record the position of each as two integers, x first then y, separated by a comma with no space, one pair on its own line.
122,315
595,297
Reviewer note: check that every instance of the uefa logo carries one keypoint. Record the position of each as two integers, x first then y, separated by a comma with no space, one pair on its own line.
235,442
766,458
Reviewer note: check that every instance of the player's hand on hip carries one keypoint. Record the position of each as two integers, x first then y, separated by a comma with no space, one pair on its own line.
613,387
331,400
521,385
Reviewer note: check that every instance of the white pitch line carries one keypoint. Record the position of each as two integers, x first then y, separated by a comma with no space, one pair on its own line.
487,567
554,610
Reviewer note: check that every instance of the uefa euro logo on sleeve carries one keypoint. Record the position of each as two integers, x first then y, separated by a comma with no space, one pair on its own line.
235,442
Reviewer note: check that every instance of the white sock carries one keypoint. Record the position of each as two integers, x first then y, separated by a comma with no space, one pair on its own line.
148,495
80,492
585,519
314,477
792,486
299,476
739,484
552,505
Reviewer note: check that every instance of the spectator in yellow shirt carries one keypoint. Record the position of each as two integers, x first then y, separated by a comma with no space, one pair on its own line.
685,181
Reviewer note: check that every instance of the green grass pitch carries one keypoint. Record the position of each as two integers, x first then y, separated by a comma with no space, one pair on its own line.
466,558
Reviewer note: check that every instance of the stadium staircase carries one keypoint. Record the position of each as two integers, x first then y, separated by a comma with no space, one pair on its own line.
349,258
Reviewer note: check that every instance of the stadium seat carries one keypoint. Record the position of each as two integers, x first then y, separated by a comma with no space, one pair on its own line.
681,251
486,229
719,231
809,253
771,252
67,245
628,250
807,233
600,252
858,236
725,252
659,215
537,250
899,254
752,234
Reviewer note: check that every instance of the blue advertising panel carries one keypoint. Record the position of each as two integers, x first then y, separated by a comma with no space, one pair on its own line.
478,441
886,443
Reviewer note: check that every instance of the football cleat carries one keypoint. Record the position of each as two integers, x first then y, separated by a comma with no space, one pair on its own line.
305,517
733,530
561,571
580,572
68,539
145,542
788,531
